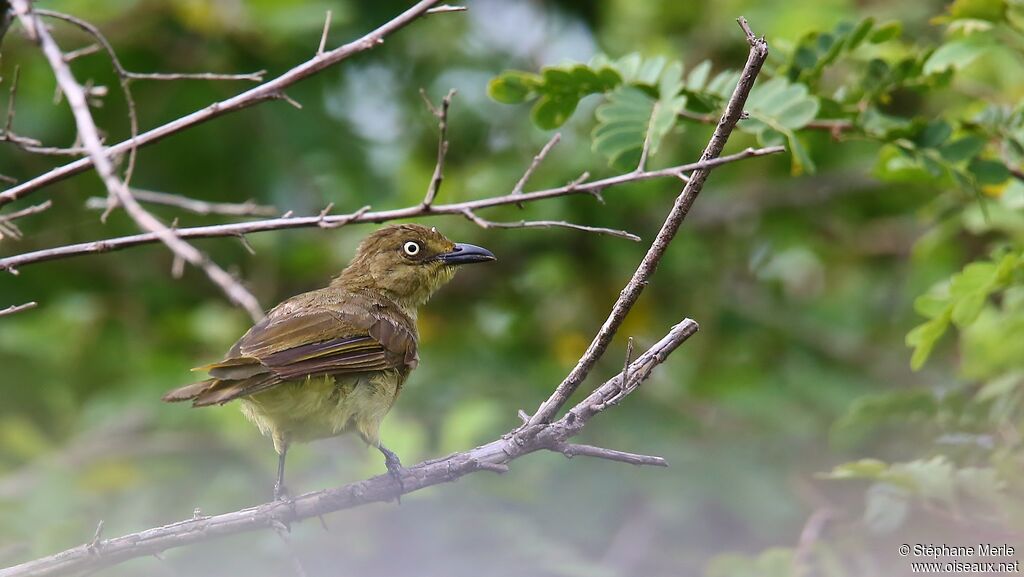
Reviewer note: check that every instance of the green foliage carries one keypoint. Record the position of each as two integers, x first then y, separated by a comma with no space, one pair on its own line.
644,98
959,301
557,90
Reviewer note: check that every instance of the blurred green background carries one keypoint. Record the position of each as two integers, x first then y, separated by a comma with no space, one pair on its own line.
803,286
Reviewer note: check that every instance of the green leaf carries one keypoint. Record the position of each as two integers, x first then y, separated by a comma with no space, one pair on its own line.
552,111
512,86
699,76
988,172
958,53
886,32
934,134
798,113
962,148
862,469
859,33
558,89
988,10
932,304
623,122
663,119
923,338
801,161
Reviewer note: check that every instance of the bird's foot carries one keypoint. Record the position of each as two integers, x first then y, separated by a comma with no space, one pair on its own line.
281,492
395,469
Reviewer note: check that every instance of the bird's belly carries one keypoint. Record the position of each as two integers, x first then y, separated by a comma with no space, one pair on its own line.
324,406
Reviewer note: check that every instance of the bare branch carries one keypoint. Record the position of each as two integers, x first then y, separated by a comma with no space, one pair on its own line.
23,142
72,55
253,96
121,71
539,158
445,8
17,308
544,433
10,100
483,223
629,295
7,226
572,449
834,126
247,208
287,221
494,456
104,167
441,112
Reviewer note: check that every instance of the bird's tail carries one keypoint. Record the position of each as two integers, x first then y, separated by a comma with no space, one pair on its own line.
189,392
218,391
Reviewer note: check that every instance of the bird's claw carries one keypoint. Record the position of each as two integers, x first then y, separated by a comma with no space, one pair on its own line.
395,469
280,492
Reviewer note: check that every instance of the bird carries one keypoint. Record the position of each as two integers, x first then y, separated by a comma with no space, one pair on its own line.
334,360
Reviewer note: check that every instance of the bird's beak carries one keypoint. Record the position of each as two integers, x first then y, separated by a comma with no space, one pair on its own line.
465,254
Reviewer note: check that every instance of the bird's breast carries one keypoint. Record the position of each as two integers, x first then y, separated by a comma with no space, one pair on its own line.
324,406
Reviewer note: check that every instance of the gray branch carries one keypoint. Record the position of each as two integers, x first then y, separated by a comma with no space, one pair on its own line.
494,456
14,262
629,295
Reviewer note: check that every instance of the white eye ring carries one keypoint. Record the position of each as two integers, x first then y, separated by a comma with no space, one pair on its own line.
411,248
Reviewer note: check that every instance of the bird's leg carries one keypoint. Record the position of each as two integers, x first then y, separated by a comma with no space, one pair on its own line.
280,491
391,461
394,465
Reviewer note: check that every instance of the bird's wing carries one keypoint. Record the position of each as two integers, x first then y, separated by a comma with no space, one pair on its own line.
349,336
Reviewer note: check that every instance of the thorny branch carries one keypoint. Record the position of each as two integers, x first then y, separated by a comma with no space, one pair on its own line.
494,456
629,295
7,226
541,432
13,263
125,77
89,135
17,308
270,90
247,208
441,113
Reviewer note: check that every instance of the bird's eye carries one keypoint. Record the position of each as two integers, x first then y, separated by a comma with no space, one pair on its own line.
411,248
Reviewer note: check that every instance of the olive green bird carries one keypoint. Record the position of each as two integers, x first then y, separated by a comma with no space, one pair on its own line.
334,360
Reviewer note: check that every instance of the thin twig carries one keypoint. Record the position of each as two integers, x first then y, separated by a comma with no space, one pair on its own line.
11,99
573,449
484,223
247,208
255,95
629,295
23,142
18,308
641,165
834,126
287,221
72,55
441,113
539,158
7,226
323,36
445,8
104,167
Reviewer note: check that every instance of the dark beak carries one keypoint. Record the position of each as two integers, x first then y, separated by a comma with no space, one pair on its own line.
465,254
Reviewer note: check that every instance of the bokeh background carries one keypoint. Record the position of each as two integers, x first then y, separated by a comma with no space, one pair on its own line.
803,286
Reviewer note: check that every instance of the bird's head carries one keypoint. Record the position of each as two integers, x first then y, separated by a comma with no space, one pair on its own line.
407,262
